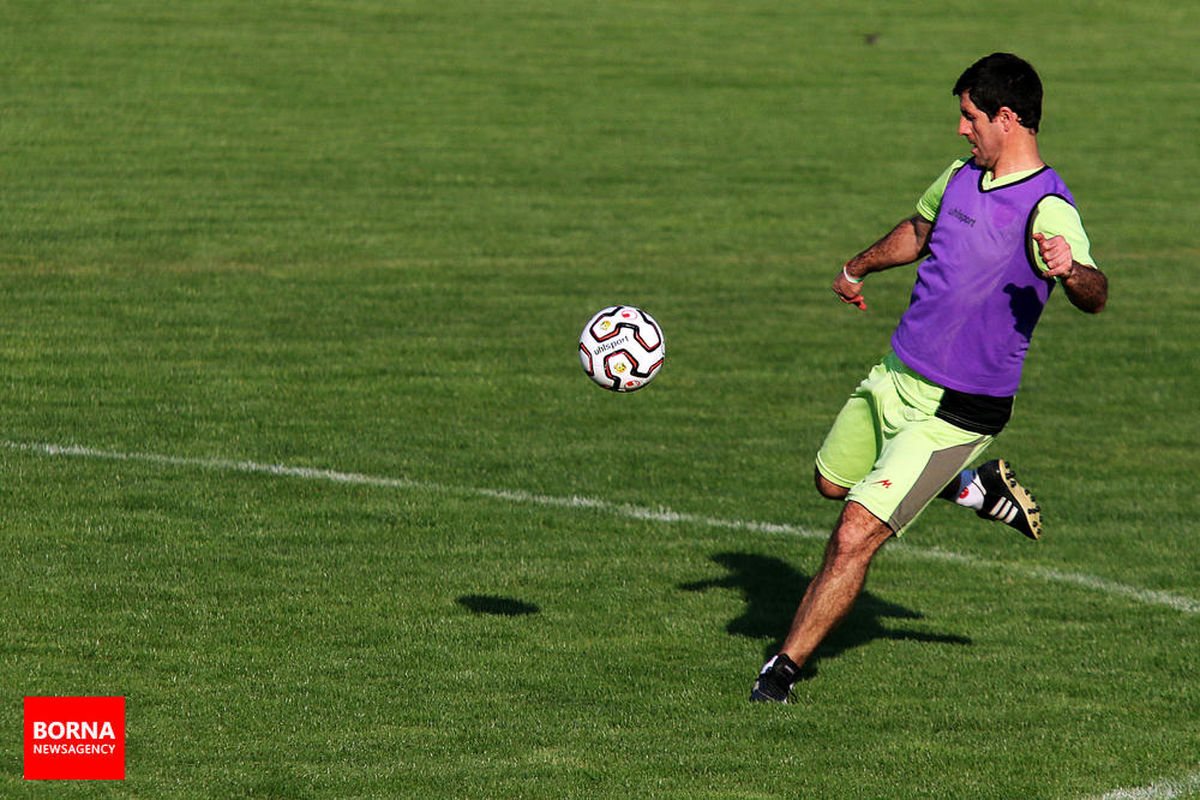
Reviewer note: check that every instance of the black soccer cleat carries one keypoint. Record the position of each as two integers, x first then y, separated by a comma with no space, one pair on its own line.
1007,501
774,684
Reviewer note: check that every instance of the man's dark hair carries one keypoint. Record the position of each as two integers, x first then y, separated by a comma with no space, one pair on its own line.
1000,80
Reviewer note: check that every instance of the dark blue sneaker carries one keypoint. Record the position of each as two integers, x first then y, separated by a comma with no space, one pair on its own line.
774,684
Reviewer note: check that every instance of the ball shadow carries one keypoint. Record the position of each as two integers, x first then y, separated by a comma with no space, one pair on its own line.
498,606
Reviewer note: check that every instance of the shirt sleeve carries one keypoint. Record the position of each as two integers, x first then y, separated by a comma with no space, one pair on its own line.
931,202
1056,217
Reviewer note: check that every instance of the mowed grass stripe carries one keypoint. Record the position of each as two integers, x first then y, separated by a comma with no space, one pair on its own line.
1180,603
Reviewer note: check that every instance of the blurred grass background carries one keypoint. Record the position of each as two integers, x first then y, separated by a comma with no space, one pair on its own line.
363,236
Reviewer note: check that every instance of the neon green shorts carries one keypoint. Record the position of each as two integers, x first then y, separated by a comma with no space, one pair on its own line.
890,450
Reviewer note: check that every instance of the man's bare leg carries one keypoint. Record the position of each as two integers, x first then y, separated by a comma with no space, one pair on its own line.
856,539
831,594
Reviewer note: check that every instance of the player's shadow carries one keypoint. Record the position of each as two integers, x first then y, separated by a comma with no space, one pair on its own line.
773,589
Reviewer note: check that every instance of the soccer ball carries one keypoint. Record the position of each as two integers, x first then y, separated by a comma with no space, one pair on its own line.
621,348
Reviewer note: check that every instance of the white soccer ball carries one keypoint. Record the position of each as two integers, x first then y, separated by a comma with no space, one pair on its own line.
621,348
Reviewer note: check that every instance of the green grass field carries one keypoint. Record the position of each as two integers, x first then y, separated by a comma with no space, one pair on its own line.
296,455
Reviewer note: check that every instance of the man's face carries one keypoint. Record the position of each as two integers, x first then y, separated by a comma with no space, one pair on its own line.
985,135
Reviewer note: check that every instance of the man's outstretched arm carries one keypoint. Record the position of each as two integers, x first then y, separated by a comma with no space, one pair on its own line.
906,242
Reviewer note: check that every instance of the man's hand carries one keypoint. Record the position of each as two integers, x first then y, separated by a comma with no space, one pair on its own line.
1056,253
849,291
1086,286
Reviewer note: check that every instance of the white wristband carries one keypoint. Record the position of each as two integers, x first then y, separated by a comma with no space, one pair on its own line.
846,275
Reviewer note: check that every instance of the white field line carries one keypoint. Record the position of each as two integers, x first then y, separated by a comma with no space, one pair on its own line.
1181,603
1159,790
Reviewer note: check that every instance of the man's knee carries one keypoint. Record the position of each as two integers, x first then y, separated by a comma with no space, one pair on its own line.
829,489
858,536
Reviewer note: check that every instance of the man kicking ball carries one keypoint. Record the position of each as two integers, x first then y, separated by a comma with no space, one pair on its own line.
999,230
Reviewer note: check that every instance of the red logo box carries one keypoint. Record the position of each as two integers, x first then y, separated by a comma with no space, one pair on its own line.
74,738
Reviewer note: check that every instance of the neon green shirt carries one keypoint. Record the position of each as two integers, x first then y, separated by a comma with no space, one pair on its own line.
1055,216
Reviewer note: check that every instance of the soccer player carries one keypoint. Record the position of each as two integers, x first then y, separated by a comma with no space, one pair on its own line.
998,231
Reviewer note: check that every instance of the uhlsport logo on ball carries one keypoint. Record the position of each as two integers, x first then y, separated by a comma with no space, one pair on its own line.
621,348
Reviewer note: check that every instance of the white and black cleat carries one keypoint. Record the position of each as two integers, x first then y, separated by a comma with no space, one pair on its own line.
1007,501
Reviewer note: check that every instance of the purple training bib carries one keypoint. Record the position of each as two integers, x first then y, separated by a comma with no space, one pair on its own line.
978,295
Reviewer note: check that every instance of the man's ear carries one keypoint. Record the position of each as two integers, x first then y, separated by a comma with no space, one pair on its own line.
1008,118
